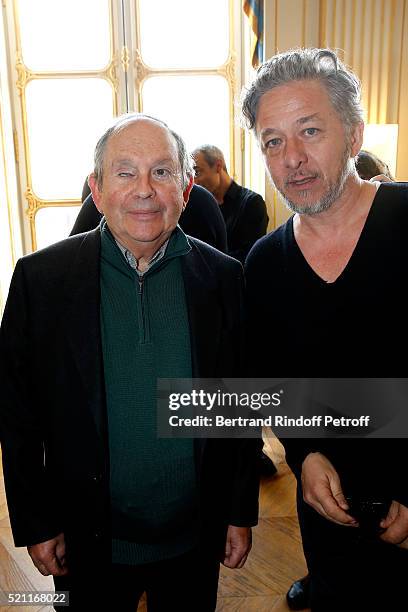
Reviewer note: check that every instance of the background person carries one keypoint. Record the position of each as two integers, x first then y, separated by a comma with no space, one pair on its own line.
244,211
370,166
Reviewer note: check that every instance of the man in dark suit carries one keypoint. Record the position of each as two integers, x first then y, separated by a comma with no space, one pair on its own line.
103,504
244,211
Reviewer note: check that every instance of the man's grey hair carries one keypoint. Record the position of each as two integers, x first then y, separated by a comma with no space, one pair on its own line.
211,154
185,160
323,65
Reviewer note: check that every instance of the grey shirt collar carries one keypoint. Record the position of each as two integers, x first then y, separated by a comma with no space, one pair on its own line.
133,262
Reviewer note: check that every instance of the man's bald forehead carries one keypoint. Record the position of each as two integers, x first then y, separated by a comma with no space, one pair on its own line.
144,121
157,131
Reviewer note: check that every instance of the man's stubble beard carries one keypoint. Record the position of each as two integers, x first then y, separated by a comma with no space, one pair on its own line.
333,192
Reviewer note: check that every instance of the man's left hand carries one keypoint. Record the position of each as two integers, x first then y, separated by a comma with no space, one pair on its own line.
237,546
396,525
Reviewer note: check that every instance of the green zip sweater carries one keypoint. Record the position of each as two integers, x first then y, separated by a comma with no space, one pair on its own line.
145,336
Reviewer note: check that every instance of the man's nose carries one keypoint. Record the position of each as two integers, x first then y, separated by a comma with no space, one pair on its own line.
294,153
144,185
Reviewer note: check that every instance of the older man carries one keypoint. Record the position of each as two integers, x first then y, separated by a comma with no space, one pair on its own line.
327,297
103,504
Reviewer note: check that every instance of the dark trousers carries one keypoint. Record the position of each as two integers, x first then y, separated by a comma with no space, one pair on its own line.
349,572
184,583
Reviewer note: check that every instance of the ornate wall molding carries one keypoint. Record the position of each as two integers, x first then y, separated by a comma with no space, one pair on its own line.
23,74
111,75
125,58
228,70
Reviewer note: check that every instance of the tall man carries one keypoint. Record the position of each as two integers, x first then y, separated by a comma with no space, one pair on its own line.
91,322
244,211
327,298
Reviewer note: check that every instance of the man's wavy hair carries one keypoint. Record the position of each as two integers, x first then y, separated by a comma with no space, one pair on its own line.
342,85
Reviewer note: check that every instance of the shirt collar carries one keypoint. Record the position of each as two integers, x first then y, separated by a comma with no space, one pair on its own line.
133,262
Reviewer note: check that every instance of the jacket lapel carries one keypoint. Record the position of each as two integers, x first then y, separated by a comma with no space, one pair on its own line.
82,324
203,313
205,324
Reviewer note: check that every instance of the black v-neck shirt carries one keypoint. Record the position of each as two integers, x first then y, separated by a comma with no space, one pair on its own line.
301,326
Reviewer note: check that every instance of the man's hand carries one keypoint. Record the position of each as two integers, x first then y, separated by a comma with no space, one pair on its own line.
49,557
396,525
237,546
322,490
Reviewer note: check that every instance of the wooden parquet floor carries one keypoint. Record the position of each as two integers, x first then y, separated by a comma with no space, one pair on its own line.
276,559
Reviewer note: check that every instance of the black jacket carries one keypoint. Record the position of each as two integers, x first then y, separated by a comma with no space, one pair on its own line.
245,216
53,413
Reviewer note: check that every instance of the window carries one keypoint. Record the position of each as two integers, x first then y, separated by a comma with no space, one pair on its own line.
81,62
66,93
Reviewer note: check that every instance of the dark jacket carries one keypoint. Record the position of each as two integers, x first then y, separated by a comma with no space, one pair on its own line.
245,216
53,414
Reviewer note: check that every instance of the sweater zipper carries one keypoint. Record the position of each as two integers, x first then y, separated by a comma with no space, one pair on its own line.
142,311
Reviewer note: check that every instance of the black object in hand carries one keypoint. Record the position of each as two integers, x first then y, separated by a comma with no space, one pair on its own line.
369,513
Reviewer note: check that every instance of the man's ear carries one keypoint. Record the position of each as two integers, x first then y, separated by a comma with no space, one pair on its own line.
218,165
186,192
96,192
356,140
